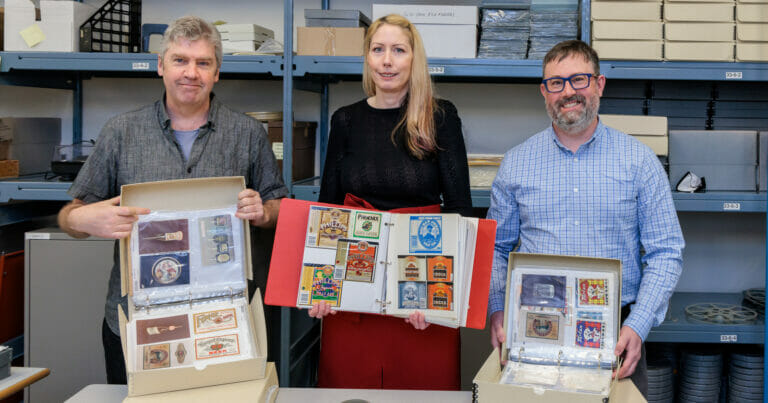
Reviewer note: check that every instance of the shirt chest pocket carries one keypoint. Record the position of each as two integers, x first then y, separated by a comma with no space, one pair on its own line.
618,194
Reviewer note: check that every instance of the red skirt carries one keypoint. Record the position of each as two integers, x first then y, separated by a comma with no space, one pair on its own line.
360,351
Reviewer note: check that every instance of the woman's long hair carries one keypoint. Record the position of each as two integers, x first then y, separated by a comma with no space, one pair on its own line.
418,119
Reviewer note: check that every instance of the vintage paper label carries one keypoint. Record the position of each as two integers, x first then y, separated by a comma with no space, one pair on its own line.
164,270
360,261
180,353
162,329
425,234
440,268
217,346
215,320
543,290
440,296
412,295
216,241
412,268
305,285
593,291
334,225
318,284
542,326
590,333
163,236
157,356
367,225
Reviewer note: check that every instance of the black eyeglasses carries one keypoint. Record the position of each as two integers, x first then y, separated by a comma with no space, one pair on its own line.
557,84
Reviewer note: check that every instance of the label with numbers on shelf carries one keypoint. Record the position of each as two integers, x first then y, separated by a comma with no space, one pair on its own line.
733,75
729,338
140,66
436,70
731,206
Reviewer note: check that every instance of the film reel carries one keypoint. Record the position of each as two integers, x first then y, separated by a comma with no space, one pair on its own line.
755,296
718,313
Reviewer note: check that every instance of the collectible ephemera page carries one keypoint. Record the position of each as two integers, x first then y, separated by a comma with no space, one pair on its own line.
424,254
343,265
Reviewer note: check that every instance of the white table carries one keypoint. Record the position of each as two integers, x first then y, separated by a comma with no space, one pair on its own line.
20,378
116,394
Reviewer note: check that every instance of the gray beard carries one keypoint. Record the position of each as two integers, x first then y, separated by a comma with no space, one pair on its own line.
581,122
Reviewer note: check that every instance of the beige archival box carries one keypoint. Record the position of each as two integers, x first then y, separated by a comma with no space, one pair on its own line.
752,12
628,50
699,51
627,30
631,11
752,52
752,32
699,31
189,195
704,12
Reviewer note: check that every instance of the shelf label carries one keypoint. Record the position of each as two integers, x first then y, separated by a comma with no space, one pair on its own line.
436,69
733,75
731,206
729,338
140,66
37,235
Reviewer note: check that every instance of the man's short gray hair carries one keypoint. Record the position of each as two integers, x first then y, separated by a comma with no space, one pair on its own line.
193,28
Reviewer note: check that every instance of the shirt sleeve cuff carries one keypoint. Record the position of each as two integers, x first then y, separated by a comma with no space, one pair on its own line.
640,322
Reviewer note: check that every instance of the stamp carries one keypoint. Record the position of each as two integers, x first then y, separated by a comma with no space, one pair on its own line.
542,326
440,296
412,268
212,321
164,270
543,290
360,261
590,333
217,346
157,356
163,236
367,225
593,292
425,234
162,329
216,241
440,268
412,295
180,353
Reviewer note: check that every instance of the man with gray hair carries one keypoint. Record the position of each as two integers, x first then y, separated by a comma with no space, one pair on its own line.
186,134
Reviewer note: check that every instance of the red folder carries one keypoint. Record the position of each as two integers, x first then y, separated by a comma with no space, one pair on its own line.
288,251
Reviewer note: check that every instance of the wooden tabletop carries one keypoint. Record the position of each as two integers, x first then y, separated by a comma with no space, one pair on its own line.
20,378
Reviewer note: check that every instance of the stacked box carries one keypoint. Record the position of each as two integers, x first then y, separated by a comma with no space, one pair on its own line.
336,18
504,33
56,30
627,30
6,354
726,159
329,41
552,21
650,130
447,30
239,38
752,30
698,30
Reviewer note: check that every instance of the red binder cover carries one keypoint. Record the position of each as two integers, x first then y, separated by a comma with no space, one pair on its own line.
288,251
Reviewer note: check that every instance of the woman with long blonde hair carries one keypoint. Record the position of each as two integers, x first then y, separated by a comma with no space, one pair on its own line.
399,149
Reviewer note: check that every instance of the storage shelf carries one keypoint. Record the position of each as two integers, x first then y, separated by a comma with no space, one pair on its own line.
128,63
33,188
677,329
500,68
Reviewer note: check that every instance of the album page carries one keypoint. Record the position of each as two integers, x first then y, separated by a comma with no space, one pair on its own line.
426,266
186,255
344,259
190,335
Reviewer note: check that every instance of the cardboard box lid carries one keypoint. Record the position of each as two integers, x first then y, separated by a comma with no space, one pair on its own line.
752,32
632,11
637,124
519,260
184,195
429,14
261,391
699,51
178,379
699,31
628,30
752,12
330,41
712,12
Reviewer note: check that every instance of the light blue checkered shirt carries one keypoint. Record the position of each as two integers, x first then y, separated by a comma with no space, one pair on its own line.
608,199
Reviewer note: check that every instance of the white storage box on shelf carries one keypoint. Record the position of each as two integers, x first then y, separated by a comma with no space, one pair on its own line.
448,31
57,31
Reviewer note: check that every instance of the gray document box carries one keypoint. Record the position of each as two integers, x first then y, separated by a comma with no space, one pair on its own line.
727,159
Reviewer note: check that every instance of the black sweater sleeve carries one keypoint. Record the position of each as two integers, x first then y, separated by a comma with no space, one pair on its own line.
330,186
452,159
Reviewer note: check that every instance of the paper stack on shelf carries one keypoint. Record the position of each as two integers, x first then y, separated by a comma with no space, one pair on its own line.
698,30
752,30
336,18
504,33
552,21
627,30
237,38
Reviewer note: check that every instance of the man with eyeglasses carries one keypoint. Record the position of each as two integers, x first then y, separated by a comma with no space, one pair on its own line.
582,188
